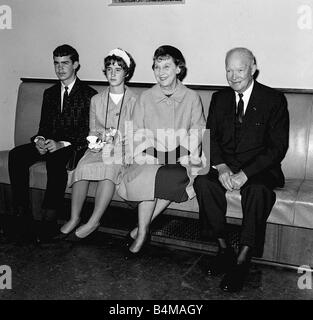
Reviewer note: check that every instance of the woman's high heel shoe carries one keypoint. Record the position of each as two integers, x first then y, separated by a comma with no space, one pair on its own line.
132,255
129,239
62,235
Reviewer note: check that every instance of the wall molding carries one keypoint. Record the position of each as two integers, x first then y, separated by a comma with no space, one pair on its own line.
150,84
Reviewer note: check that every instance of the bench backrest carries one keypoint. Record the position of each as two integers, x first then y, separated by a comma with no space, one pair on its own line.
298,162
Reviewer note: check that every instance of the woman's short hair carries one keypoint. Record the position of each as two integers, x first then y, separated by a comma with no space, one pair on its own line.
129,71
166,51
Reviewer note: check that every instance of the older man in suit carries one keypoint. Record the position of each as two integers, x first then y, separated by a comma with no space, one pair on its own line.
63,128
249,132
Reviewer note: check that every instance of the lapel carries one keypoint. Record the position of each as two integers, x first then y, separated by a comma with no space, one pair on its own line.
104,101
56,98
178,94
230,111
128,95
105,95
75,88
252,111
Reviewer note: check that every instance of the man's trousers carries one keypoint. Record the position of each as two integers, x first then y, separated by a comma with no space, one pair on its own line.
257,200
21,158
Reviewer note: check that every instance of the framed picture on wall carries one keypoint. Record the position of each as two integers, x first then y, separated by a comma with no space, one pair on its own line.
134,2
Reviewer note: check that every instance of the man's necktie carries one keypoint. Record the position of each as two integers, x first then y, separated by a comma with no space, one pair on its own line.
65,98
239,114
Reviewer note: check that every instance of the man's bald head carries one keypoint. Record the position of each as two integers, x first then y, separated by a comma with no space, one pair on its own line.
243,52
240,67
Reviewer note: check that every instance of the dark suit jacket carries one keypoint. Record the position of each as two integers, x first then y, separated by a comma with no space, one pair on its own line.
264,137
72,124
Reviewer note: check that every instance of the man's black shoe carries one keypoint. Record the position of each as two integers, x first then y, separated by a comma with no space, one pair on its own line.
60,236
49,214
19,229
4,239
21,211
234,279
46,241
222,262
46,232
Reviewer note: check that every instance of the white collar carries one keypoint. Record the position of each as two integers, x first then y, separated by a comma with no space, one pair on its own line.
247,92
70,86
246,96
116,97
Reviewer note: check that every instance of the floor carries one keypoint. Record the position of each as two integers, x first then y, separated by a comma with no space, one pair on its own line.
95,269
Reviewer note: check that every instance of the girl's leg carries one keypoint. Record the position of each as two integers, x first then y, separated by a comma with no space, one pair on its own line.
161,204
145,212
104,195
79,193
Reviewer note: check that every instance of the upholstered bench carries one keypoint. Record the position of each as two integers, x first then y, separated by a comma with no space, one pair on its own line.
289,237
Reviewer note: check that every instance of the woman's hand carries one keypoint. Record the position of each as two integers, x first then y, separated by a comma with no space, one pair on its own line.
95,150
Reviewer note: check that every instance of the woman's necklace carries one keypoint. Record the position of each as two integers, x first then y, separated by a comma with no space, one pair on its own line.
119,114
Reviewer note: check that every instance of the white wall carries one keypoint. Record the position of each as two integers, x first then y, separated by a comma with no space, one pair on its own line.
203,29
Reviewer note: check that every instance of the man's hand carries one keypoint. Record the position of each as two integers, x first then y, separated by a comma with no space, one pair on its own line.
224,176
239,179
52,145
41,151
40,146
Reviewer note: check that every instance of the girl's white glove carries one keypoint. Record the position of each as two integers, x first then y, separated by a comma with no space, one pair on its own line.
94,143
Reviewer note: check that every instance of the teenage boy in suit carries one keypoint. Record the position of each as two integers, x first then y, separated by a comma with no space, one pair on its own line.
63,128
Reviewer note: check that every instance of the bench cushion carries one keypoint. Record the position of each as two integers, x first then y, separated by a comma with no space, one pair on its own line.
300,113
296,196
304,205
284,209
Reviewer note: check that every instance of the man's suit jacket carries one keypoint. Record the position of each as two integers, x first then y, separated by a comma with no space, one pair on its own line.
72,124
264,135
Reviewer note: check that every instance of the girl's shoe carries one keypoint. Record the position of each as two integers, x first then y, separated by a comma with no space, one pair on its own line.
69,227
63,235
85,230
